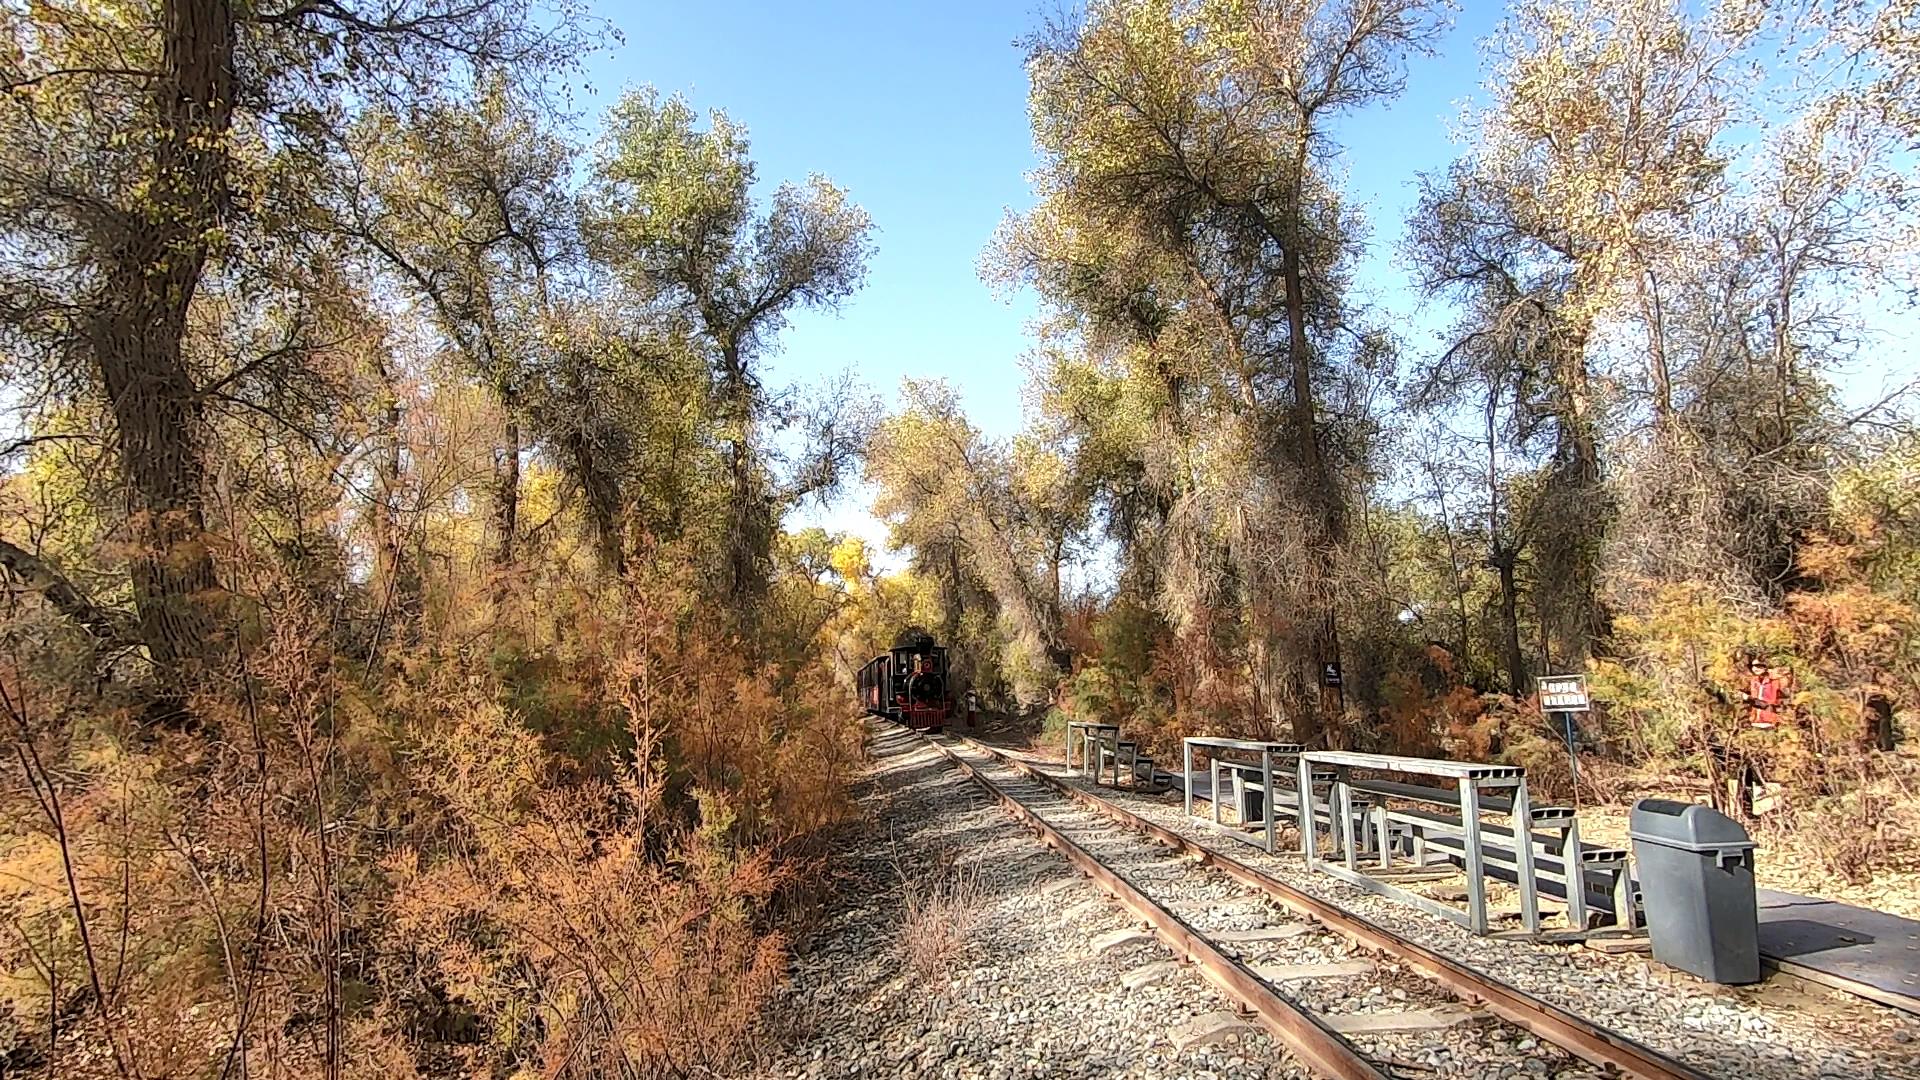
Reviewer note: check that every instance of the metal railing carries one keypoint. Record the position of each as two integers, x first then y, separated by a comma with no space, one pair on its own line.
1273,798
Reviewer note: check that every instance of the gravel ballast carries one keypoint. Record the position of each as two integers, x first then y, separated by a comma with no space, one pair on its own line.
1024,992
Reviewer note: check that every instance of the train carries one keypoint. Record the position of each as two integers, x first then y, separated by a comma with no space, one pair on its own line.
909,685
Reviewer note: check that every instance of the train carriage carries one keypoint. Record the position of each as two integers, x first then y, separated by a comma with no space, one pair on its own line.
909,685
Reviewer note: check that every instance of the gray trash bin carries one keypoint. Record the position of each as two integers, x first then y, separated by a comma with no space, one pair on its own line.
1696,885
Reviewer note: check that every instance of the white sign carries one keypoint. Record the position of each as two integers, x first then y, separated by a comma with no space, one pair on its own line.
1564,693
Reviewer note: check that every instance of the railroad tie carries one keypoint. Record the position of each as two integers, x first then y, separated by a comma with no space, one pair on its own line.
1123,938
1149,974
1208,1029
1164,869
1085,907
1264,933
1055,888
1338,970
1232,905
1434,1019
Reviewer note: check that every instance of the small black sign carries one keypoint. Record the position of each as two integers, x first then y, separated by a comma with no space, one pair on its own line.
1330,674
1564,693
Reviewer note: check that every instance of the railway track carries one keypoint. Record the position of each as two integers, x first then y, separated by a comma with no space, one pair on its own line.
1289,958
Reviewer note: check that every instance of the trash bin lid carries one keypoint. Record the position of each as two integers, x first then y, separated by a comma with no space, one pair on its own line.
1687,826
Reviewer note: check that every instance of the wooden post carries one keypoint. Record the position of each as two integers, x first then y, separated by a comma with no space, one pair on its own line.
1382,836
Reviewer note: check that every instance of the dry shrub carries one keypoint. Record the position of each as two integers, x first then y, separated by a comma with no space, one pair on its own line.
1871,825
1549,770
1430,707
1495,727
1616,783
1675,694
590,931
626,926
783,751
575,860
184,901
940,905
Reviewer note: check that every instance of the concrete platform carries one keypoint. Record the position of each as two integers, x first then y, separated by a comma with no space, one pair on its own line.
1856,949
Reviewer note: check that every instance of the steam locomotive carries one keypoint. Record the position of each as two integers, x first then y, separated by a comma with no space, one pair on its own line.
909,685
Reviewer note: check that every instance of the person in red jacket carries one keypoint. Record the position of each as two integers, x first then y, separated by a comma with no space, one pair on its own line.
1766,692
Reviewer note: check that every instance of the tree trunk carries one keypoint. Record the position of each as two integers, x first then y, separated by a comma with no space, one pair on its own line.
749,532
956,606
954,612
1784,351
1583,505
396,576
1658,370
1305,422
156,411
601,491
1324,641
1054,561
59,593
1580,435
1502,556
1516,664
746,528
1458,572
153,260
506,498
